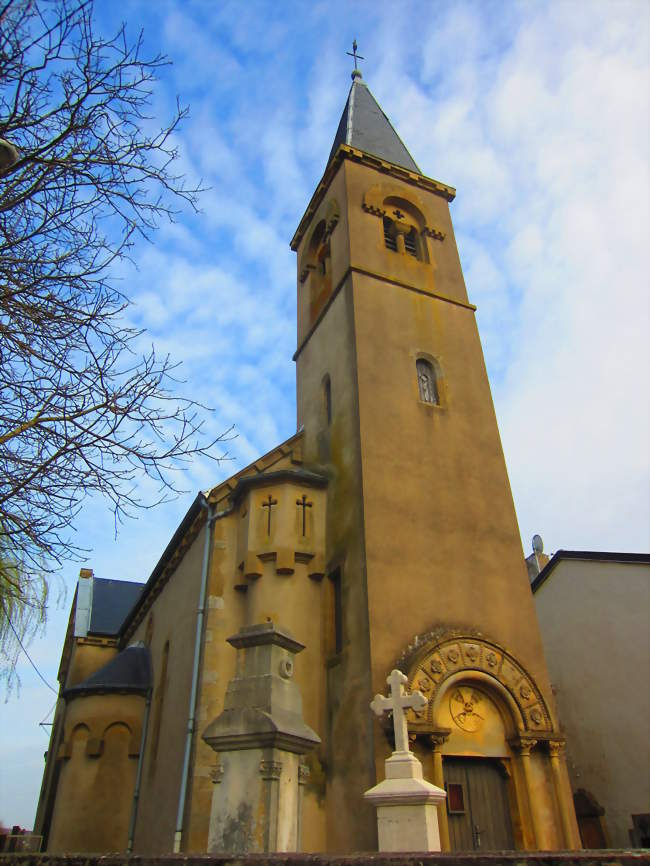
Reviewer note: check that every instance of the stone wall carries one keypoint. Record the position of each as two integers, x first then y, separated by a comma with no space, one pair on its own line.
495,858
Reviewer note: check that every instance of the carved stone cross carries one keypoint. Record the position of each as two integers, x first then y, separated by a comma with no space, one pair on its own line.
269,504
302,503
397,702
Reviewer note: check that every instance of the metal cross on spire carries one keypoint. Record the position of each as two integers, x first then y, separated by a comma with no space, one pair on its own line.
354,54
397,702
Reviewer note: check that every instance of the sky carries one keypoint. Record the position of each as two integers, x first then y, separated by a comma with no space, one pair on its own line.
537,112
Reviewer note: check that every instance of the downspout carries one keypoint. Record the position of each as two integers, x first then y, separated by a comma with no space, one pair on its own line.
138,775
178,835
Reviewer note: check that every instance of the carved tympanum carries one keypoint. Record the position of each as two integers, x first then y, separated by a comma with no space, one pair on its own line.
453,655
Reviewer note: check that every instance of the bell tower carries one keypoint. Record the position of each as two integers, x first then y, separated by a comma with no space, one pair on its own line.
422,537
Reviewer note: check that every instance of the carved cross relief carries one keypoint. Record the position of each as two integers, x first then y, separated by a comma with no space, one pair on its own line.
397,702
270,502
302,503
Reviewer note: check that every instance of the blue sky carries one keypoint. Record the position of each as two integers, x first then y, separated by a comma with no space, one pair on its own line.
537,112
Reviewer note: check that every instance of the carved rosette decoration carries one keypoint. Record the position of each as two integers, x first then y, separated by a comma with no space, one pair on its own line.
455,655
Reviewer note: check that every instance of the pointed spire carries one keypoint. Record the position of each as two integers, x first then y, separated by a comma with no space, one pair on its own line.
365,126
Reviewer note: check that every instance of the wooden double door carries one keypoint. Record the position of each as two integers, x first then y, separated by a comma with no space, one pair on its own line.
477,805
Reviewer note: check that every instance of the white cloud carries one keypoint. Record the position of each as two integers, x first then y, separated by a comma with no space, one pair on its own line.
539,116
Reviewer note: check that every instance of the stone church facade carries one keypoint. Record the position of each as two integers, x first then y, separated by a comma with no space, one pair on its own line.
225,707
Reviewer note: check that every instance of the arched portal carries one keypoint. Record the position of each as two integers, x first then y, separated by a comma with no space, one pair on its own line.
489,737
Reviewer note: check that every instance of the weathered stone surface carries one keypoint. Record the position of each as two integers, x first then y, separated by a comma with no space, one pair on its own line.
259,737
494,858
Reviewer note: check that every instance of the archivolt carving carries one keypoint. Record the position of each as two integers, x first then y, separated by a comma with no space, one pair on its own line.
382,198
456,654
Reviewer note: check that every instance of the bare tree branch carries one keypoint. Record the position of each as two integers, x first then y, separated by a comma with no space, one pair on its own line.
81,410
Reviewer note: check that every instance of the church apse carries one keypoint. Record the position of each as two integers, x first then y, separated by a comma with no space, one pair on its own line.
99,755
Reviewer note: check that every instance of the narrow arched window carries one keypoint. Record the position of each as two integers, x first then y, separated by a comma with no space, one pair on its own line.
327,400
427,384
159,702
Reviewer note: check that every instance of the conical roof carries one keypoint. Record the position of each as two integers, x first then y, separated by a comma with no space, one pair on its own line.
129,671
365,126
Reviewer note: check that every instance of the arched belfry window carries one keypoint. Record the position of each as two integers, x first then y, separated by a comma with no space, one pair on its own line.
400,236
427,382
406,221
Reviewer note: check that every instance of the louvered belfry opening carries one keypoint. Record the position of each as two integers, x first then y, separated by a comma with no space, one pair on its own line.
411,244
390,239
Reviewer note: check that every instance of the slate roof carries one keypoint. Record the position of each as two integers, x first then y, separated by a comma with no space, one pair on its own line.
112,601
129,671
365,126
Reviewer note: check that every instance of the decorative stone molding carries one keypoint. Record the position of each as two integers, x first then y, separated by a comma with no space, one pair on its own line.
523,745
216,774
375,203
446,655
433,232
303,774
65,751
271,769
556,748
94,747
439,738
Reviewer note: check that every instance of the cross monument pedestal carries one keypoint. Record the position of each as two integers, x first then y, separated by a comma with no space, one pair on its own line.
407,817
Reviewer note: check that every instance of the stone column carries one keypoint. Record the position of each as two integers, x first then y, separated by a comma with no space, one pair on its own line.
437,740
260,737
525,746
303,778
556,752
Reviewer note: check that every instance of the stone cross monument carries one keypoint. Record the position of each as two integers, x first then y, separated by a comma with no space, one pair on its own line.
397,702
407,817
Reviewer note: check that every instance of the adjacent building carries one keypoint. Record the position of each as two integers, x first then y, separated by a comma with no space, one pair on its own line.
594,613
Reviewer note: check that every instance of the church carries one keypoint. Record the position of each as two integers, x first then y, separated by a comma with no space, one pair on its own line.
224,705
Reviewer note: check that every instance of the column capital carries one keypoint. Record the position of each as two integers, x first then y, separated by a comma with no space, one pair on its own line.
439,737
556,748
523,745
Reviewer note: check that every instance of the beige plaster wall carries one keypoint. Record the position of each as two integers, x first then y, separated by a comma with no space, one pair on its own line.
442,540
595,623
347,748
97,775
420,507
224,616
174,620
293,600
88,656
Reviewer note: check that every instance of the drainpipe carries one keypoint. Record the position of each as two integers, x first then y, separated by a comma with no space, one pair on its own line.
178,835
138,775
